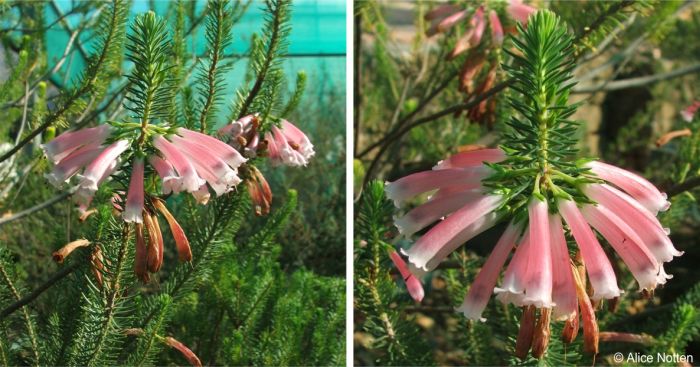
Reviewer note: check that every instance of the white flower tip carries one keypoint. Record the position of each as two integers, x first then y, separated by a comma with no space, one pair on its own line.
667,231
131,218
687,116
440,165
419,264
470,312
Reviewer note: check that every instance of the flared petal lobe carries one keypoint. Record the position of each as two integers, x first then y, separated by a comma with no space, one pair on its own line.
481,290
600,272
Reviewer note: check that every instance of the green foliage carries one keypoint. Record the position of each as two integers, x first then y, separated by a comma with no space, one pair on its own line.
211,77
149,92
608,42
97,313
265,63
394,341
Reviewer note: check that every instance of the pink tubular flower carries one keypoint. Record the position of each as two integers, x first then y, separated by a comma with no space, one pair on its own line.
208,164
68,142
224,151
468,210
636,186
563,285
190,180
472,36
134,198
472,158
425,181
170,181
519,11
538,279
68,166
496,28
441,25
413,285
95,172
644,224
288,145
627,244
600,272
689,112
480,291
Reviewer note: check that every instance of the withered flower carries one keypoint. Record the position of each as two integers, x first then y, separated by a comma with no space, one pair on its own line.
66,250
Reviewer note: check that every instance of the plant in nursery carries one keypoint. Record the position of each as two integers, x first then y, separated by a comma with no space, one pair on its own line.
164,190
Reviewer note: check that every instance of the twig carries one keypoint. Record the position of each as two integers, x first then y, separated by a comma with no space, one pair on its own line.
36,208
683,186
38,291
49,73
269,57
59,13
390,139
602,18
637,82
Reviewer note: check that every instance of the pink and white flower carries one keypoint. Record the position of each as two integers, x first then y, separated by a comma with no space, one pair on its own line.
539,273
689,112
288,145
70,141
134,198
634,185
413,284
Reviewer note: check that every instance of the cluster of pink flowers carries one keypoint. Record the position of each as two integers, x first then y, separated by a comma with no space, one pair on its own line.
539,273
445,17
185,160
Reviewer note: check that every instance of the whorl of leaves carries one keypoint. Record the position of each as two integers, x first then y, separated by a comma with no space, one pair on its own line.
149,94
